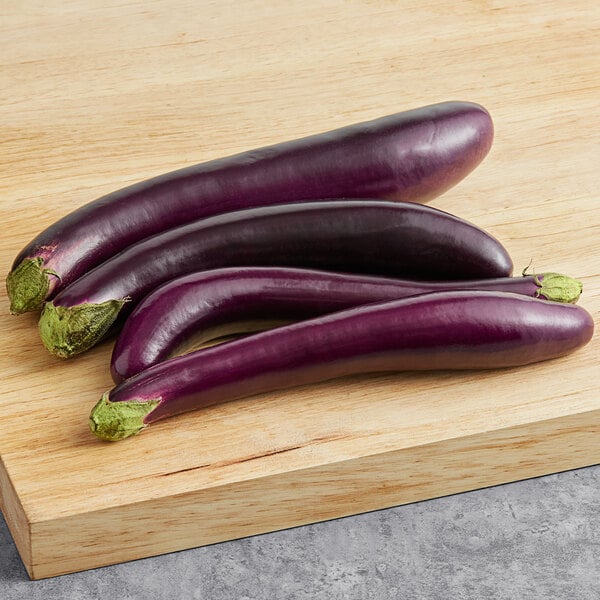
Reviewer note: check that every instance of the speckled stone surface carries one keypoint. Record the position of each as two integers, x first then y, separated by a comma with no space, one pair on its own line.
537,539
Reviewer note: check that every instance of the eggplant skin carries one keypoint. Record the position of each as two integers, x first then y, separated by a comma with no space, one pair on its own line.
353,235
445,330
413,155
199,307
372,237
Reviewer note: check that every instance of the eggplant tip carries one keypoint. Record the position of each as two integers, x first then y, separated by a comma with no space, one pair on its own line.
69,330
113,421
27,286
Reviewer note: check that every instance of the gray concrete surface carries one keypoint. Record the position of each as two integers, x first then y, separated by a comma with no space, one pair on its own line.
535,539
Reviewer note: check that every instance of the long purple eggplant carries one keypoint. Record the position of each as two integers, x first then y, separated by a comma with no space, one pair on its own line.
412,156
369,237
445,330
196,307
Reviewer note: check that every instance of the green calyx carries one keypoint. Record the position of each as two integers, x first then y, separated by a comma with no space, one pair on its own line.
28,285
70,330
558,288
115,421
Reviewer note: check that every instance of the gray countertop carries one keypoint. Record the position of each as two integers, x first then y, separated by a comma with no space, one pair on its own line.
538,538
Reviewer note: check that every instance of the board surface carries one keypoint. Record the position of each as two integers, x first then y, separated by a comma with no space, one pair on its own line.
96,97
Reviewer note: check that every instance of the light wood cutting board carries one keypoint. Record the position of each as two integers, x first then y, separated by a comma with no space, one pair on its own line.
95,96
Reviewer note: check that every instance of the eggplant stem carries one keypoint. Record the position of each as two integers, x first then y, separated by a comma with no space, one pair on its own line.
558,287
70,330
524,273
114,421
28,285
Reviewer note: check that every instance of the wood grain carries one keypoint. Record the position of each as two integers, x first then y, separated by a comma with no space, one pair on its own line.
94,97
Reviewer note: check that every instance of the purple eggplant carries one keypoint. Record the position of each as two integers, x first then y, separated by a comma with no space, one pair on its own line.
370,237
412,156
443,330
196,308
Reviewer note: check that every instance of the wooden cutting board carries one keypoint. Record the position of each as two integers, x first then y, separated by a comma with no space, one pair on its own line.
96,97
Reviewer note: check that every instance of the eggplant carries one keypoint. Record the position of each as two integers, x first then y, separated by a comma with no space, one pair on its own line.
414,155
195,308
441,330
369,237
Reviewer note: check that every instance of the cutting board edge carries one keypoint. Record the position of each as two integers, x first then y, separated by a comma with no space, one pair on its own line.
313,494
15,516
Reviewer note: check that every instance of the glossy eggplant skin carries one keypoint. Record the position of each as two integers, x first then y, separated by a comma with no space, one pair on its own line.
445,330
192,306
413,156
400,239
358,236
